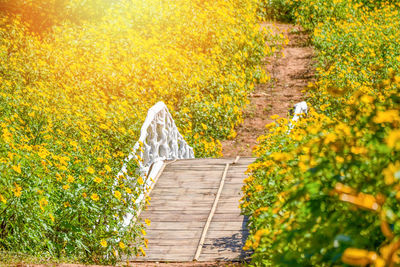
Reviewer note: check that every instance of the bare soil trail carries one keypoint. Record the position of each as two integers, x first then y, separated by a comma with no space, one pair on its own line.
290,74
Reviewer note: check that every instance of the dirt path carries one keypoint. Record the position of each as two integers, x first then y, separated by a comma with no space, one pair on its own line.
289,75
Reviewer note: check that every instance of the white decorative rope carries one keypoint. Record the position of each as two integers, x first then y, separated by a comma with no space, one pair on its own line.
159,140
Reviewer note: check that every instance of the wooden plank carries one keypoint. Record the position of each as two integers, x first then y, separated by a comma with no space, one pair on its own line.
214,207
183,185
230,205
187,213
183,201
172,242
180,209
234,225
239,170
173,234
169,217
205,160
194,168
223,257
237,183
226,235
237,175
191,178
227,253
234,186
207,172
163,258
175,225
232,192
193,196
184,191
230,199
177,250
234,213
227,217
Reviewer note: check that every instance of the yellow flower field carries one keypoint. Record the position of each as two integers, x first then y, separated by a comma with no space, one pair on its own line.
77,78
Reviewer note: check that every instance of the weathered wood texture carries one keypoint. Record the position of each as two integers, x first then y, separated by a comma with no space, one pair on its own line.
180,206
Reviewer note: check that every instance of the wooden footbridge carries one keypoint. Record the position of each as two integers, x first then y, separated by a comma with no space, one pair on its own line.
195,213
194,208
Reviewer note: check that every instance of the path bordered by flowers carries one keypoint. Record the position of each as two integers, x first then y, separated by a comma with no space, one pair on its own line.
290,70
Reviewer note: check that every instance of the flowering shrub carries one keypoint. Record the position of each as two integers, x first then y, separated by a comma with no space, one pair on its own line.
281,10
73,99
327,193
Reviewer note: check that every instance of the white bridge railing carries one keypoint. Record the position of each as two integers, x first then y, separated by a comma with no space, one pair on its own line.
298,109
159,140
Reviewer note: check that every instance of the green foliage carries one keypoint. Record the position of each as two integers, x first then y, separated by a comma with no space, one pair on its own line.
327,193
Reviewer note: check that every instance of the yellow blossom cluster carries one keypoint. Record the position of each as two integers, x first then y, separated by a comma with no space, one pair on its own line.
74,91
327,191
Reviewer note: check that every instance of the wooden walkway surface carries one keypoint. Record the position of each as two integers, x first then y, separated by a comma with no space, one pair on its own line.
194,212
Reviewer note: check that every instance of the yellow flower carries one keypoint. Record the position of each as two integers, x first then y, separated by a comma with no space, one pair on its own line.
103,243
329,138
66,187
247,245
358,150
274,117
147,221
3,199
70,179
393,139
392,172
17,190
84,195
108,168
90,170
121,245
17,168
142,251
98,179
387,116
51,217
259,188
58,177
140,180
43,203
128,190
117,194
95,197
143,232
